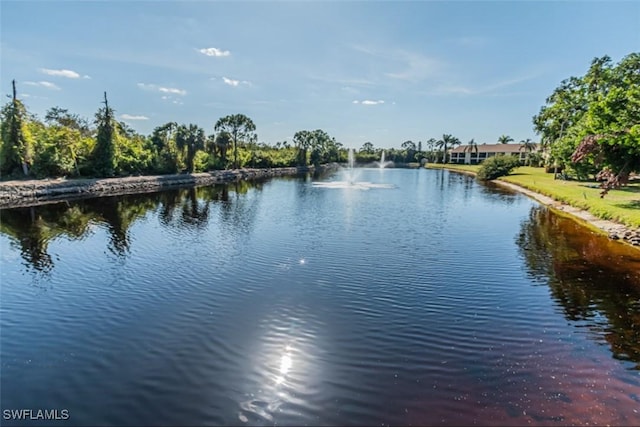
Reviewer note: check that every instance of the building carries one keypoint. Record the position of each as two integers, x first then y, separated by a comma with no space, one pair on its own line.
467,155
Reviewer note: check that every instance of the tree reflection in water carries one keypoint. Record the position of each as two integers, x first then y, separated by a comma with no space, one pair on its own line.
595,281
31,229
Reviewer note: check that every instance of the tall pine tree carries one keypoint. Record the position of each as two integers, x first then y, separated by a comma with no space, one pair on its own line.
17,146
104,163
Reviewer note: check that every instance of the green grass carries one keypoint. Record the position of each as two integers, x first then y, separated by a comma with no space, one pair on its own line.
621,205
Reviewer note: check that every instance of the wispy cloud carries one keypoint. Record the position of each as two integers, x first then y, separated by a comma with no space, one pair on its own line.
44,84
416,67
368,102
235,83
70,74
483,90
133,117
171,90
214,51
411,66
171,99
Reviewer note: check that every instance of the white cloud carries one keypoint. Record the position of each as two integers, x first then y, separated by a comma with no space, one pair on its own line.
214,51
231,82
162,89
48,85
61,73
355,101
369,102
234,83
132,117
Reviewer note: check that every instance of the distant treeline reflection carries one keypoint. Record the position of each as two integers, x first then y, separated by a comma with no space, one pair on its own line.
31,229
595,281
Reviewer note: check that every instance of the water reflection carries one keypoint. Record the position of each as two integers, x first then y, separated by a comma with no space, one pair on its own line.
32,229
584,274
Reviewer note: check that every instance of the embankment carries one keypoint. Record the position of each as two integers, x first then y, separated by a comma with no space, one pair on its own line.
35,192
614,230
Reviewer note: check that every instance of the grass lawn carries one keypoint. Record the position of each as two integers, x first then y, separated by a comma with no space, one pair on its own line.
621,205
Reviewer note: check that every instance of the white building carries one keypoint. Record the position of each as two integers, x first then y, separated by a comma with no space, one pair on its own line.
469,156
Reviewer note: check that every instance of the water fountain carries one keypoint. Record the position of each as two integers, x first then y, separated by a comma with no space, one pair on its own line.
351,175
382,163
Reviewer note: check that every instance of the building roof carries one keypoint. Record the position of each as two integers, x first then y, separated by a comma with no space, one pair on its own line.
494,148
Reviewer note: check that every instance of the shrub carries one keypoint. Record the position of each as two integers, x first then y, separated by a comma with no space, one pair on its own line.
495,167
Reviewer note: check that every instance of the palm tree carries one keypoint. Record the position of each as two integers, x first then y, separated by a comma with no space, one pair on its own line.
431,144
192,138
528,146
505,139
223,141
446,142
471,146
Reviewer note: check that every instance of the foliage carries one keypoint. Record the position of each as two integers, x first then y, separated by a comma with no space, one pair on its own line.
593,122
497,166
17,145
190,139
505,139
241,128
166,158
447,141
104,159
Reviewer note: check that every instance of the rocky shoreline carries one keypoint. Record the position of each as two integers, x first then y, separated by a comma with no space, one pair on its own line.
35,192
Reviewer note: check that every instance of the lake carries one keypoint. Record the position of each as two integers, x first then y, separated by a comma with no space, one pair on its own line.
394,296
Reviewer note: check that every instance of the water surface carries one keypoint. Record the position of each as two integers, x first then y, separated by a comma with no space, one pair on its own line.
429,300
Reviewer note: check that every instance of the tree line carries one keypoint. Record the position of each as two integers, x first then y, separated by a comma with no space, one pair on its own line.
65,144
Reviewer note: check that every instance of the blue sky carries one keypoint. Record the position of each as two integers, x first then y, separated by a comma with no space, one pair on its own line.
384,72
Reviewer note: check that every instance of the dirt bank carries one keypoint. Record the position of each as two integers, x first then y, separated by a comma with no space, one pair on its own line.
34,192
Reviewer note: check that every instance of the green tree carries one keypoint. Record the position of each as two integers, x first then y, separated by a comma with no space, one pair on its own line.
190,138
367,147
17,144
472,147
240,127
590,123
505,139
62,117
223,142
303,140
166,157
104,163
431,146
609,135
447,141
527,146
409,148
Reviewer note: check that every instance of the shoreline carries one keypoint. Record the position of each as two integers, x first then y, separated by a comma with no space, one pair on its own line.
14,194
613,230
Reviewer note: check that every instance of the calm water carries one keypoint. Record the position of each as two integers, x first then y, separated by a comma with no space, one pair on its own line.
436,301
